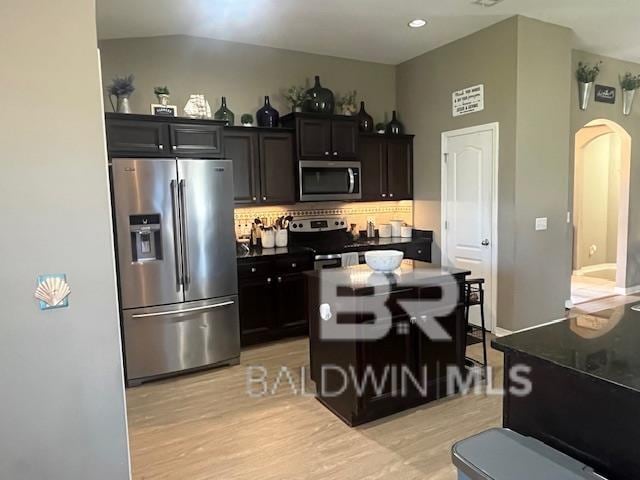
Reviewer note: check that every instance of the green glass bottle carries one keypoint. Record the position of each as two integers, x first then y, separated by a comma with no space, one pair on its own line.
224,113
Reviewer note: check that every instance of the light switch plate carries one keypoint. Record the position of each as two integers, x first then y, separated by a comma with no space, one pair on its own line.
541,223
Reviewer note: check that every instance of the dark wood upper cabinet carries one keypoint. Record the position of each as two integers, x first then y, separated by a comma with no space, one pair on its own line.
241,147
277,168
157,136
399,169
324,137
202,140
344,138
373,157
137,137
314,138
387,167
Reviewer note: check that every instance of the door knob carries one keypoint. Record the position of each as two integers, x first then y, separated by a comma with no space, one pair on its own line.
485,242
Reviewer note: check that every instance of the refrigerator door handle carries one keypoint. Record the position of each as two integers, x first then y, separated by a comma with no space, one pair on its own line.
186,310
176,232
185,238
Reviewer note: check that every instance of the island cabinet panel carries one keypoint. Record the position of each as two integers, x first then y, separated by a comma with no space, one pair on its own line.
200,140
387,167
364,379
277,168
242,148
131,137
256,297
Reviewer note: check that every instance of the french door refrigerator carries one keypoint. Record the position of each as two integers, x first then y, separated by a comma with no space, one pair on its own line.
176,264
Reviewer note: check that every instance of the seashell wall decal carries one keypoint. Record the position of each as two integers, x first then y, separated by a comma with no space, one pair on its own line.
52,290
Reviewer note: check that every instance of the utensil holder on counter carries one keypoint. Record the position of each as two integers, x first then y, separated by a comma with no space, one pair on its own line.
384,230
268,239
406,232
282,237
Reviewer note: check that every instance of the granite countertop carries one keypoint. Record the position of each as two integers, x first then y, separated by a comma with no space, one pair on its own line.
359,245
411,274
270,252
602,344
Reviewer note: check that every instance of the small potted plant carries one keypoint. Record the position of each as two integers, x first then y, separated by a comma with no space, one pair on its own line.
121,88
586,75
629,84
163,95
295,97
246,119
380,127
347,104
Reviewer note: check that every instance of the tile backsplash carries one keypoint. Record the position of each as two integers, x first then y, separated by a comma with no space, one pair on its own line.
355,212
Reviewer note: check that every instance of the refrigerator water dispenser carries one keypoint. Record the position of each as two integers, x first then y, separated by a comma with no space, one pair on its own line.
146,239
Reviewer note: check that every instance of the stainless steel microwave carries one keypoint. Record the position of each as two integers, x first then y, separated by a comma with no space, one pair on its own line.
322,180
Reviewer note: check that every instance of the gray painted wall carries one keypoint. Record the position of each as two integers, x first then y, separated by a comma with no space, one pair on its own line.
518,60
242,73
424,87
541,259
62,400
611,68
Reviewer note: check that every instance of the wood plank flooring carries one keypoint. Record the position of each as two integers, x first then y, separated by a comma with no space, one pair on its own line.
206,426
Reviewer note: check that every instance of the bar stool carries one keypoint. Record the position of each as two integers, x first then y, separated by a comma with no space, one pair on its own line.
474,295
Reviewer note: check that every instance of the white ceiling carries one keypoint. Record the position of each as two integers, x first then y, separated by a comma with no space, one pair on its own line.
372,30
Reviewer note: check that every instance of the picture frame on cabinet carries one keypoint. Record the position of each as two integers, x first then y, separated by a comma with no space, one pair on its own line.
164,110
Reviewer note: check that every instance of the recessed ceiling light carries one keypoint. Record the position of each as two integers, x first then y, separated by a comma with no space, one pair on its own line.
417,23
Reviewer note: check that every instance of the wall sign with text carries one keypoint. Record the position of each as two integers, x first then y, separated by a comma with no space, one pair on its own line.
605,94
468,100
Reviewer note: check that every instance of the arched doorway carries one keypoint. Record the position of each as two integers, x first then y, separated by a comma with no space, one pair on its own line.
600,210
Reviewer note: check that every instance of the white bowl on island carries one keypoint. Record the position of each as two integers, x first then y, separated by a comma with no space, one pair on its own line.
383,260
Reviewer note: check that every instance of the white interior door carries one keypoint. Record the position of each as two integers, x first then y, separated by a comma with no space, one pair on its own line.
468,208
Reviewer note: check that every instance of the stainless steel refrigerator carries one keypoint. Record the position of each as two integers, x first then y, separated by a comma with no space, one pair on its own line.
176,264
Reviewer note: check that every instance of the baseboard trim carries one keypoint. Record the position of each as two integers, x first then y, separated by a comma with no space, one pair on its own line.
501,332
594,268
627,290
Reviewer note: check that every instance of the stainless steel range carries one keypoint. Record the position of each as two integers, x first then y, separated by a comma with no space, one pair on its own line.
176,264
328,237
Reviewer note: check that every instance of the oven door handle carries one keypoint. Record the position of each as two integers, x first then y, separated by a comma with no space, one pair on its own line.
352,180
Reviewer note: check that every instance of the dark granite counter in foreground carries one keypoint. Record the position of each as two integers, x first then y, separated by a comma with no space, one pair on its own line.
605,345
584,400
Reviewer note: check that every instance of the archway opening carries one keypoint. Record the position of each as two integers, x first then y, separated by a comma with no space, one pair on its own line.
600,210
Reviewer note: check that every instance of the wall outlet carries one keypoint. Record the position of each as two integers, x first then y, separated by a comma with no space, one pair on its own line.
541,223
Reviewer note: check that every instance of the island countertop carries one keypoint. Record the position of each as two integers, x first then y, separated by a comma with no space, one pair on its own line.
602,344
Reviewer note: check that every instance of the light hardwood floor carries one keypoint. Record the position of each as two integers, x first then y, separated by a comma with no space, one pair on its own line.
206,426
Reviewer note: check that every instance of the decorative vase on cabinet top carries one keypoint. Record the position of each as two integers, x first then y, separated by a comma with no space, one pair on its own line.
224,113
267,116
394,127
365,121
320,99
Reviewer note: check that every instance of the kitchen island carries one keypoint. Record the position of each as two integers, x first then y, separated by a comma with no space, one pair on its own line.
383,343
585,396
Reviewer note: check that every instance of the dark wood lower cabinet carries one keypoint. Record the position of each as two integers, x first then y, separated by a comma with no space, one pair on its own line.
363,380
273,299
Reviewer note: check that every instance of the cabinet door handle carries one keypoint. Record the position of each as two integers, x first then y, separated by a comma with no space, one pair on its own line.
294,265
335,154
269,280
326,154
160,147
264,198
384,195
279,279
253,269
419,252
391,195
173,147
254,198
